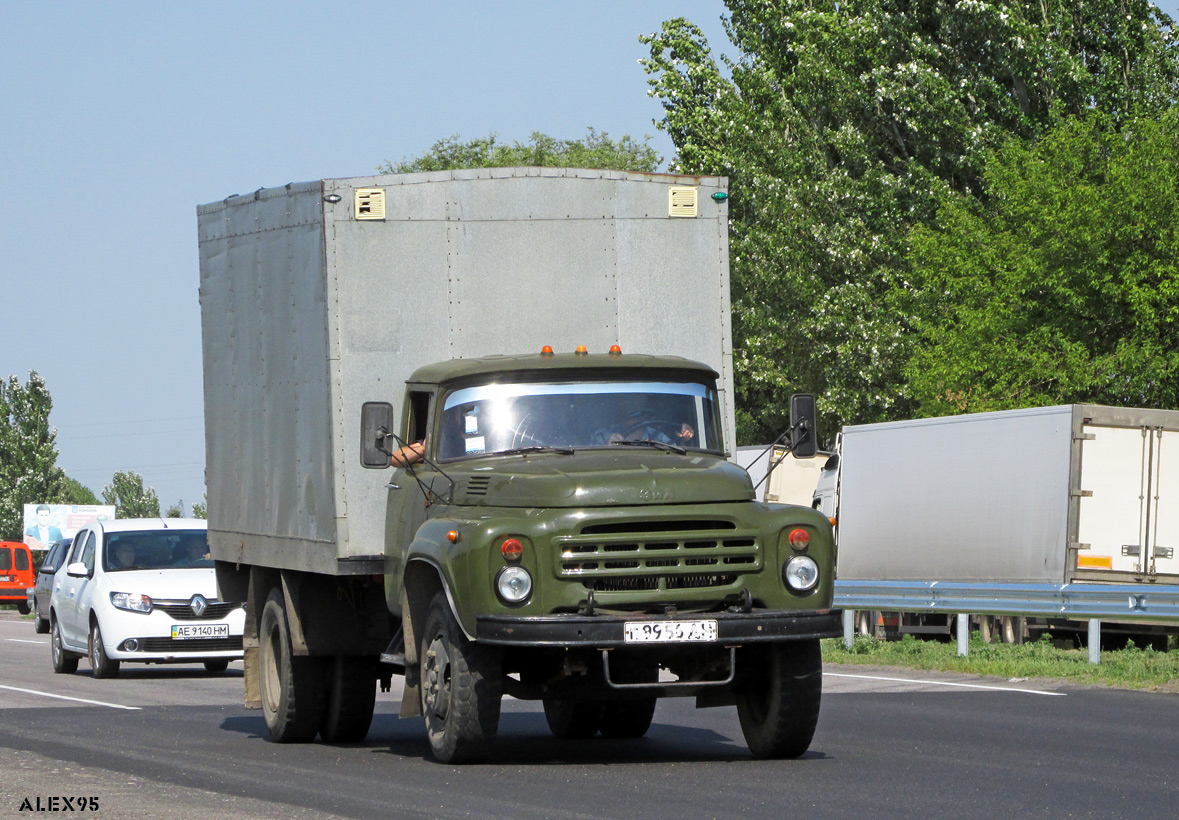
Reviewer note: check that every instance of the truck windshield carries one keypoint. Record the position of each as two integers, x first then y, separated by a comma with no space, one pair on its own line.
500,418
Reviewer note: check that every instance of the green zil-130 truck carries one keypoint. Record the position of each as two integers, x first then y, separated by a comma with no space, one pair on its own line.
555,526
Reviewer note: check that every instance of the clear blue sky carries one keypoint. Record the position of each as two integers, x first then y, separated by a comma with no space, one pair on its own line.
120,118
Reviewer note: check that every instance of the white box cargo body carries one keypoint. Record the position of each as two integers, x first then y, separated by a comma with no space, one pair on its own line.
1053,495
319,296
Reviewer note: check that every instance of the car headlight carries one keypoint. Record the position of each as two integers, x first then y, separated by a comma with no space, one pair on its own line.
131,601
801,573
513,585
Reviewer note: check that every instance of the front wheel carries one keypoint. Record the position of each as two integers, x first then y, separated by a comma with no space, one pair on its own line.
292,688
101,664
779,705
217,666
461,688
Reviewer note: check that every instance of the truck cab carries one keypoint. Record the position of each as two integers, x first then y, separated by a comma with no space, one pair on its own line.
576,533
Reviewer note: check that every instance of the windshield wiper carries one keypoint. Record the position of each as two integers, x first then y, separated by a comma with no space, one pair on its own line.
650,442
535,448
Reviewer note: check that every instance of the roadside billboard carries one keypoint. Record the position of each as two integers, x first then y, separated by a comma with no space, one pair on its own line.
46,523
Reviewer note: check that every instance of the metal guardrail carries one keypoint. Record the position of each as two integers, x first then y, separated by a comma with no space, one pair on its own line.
1113,602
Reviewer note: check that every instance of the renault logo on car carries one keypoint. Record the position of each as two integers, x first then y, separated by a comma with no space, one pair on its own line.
199,605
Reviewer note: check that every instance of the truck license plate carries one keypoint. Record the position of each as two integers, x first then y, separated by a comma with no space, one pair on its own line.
181,632
669,631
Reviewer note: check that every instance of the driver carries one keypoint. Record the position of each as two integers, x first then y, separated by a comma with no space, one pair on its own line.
124,555
637,425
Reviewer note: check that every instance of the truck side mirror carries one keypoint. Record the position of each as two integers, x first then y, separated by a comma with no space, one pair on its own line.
376,418
804,440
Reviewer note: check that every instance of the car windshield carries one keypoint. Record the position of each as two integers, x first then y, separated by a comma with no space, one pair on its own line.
156,549
562,416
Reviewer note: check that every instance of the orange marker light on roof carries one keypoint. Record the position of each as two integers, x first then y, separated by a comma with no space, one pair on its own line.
547,350
581,351
615,350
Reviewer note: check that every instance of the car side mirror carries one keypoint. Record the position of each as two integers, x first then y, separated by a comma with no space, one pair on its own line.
77,570
804,440
376,419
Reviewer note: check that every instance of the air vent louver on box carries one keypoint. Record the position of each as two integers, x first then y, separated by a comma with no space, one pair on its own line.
370,203
681,201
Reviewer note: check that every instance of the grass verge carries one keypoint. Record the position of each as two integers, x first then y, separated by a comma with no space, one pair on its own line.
1129,668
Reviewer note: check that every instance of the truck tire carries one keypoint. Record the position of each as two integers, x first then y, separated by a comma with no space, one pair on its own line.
573,719
101,664
292,688
351,698
986,628
64,661
778,705
1011,627
630,718
461,688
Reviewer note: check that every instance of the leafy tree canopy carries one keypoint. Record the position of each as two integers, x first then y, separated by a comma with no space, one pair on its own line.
130,498
844,123
1062,284
597,150
78,493
28,453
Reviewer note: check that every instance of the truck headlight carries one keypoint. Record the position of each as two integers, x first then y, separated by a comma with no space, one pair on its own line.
131,601
801,573
513,585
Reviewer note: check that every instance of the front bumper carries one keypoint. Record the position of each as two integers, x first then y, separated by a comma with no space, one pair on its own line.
605,631
152,633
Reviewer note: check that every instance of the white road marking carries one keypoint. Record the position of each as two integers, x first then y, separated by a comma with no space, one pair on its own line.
64,697
946,683
18,640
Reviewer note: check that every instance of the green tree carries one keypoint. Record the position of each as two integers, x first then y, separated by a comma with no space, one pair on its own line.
174,511
130,498
78,493
597,150
842,124
1062,284
200,509
28,452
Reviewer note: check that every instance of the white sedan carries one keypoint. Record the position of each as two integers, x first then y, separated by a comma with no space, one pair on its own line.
143,591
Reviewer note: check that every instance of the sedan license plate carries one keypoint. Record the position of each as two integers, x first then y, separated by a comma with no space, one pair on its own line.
669,631
183,632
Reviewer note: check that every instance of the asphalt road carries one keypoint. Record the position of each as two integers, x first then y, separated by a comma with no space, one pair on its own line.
173,742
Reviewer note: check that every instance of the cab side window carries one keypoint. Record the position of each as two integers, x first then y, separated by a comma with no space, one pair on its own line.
419,415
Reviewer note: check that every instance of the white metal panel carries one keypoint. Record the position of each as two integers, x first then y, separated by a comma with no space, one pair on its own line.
963,498
1112,513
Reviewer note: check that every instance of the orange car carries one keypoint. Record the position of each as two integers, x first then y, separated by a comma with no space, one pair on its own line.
16,574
